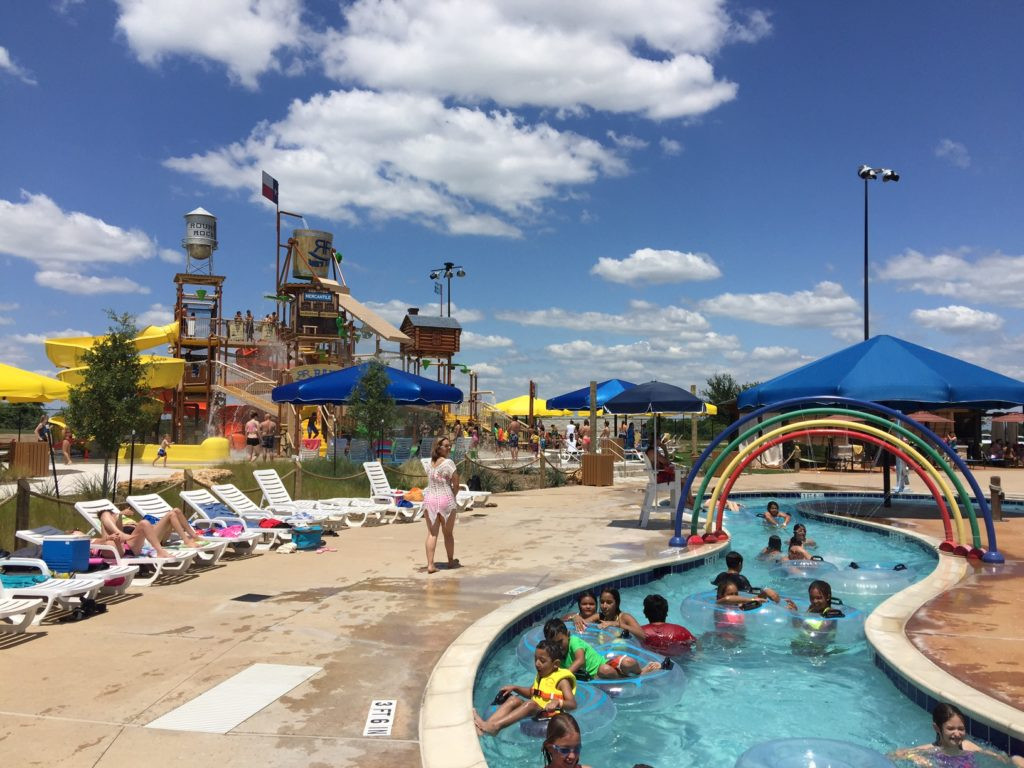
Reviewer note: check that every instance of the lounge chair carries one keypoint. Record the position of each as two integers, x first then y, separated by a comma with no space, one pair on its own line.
153,505
16,615
65,593
209,513
116,578
248,510
650,500
465,497
352,512
358,450
401,450
426,447
160,566
381,491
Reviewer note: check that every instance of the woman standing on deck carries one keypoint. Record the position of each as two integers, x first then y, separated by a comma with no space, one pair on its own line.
439,501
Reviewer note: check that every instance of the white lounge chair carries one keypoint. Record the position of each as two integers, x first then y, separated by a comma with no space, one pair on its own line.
650,501
53,592
209,512
381,491
350,511
250,511
16,615
160,566
116,578
465,497
154,505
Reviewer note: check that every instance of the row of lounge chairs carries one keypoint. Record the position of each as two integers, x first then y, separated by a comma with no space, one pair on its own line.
227,510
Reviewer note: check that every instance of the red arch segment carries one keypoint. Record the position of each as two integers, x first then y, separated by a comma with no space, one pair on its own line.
936,493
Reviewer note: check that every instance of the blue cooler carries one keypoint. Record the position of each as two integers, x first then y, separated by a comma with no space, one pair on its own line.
308,537
66,554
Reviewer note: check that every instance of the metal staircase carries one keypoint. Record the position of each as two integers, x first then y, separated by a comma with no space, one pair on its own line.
244,385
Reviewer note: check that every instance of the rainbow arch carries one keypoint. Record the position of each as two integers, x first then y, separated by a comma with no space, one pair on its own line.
911,446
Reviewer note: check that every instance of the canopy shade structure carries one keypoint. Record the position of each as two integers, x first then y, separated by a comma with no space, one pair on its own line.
579,399
18,386
1009,418
161,372
655,397
930,418
336,388
67,352
893,372
520,406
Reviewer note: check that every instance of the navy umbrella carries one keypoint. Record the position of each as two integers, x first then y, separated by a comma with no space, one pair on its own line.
654,397
336,387
579,399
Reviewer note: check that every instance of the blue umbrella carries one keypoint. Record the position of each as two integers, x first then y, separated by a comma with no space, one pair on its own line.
579,399
336,387
892,372
654,397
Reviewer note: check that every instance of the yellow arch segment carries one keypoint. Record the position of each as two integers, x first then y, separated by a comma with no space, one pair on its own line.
939,477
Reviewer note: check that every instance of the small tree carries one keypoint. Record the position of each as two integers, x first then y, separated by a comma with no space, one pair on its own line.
110,401
371,407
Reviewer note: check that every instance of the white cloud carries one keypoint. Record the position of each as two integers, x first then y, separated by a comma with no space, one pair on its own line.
171,256
7,307
994,279
565,55
487,371
6,320
772,353
954,152
157,314
40,338
394,311
8,65
643,318
670,146
957,318
406,156
626,141
648,265
471,340
827,305
71,237
86,285
244,35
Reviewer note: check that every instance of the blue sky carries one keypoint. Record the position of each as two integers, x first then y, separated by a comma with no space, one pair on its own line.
662,189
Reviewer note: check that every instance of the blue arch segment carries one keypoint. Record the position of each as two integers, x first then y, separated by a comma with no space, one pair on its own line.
991,556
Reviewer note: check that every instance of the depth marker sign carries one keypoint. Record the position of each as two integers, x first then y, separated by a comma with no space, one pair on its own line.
381,717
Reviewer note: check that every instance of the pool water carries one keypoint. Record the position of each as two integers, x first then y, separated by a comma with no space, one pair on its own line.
738,694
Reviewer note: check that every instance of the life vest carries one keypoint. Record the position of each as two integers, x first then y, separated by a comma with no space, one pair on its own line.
546,689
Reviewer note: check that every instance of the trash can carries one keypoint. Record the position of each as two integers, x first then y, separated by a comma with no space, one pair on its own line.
598,469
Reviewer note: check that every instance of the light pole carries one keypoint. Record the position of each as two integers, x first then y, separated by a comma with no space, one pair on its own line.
448,271
868,173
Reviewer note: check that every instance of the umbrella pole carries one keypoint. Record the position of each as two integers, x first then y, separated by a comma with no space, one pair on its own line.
886,480
335,439
131,464
113,484
53,465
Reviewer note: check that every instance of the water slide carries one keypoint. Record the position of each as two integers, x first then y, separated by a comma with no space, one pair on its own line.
161,372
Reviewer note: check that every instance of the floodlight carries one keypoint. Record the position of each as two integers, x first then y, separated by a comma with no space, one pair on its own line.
867,172
462,272
433,275
888,174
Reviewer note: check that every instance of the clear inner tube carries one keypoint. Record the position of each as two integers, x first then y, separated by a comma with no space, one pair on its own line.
811,753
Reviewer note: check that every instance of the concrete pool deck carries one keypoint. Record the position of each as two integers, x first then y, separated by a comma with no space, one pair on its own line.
369,616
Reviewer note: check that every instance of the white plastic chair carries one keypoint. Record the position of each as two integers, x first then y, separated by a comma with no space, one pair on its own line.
353,512
53,592
250,511
204,506
16,615
381,491
116,578
650,501
154,505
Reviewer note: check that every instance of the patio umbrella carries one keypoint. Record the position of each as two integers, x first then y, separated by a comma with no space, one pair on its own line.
18,386
1009,418
520,406
336,387
579,399
654,397
930,418
893,372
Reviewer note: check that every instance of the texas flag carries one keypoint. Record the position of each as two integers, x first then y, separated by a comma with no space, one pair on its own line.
269,187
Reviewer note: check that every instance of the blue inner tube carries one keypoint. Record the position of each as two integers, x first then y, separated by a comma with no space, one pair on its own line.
803,569
811,753
873,578
702,613
595,712
657,689
592,634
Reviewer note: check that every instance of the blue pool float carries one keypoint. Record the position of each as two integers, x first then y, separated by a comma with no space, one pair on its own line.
656,690
595,712
873,578
803,570
702,613
597,637
811,753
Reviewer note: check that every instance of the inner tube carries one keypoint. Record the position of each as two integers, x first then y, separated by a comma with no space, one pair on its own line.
811,753
656,690
803,569
595,712
593,634
873,578
668,639
702,613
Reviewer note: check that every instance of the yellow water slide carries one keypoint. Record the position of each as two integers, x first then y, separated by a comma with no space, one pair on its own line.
161,372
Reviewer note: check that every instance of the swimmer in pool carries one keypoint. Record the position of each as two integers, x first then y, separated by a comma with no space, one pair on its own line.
951,748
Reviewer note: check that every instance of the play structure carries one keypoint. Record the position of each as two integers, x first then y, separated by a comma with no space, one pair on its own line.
928,455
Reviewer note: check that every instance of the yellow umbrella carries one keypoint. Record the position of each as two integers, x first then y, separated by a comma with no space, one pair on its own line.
18,386
520,406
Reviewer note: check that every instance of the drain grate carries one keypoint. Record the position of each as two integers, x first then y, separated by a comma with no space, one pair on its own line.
251,597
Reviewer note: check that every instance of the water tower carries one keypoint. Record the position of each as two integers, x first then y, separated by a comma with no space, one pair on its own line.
200,242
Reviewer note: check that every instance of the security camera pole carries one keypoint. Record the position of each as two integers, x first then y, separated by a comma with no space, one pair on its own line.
868,173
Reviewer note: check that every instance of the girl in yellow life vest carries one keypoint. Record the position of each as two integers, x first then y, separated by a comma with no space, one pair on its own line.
553,691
